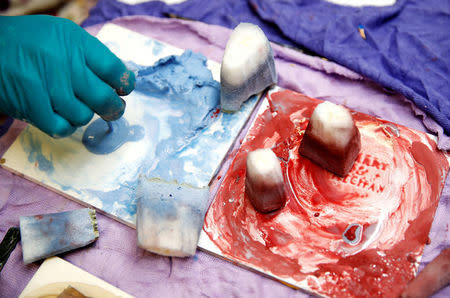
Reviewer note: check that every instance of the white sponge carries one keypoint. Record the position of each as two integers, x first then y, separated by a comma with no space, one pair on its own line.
247,68
332,124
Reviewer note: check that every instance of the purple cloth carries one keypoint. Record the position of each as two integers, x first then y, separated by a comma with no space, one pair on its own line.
236,12
116,258
107,10
406,48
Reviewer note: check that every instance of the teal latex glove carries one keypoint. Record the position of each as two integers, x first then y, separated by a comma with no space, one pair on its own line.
55,75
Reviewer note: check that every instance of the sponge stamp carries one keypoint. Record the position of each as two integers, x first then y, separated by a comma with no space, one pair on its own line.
247,68
331,139
264,184
169,216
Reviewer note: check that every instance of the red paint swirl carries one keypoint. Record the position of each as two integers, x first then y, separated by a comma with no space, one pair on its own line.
392,191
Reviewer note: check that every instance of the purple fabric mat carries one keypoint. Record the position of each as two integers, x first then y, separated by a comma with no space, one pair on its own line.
115,256
405,46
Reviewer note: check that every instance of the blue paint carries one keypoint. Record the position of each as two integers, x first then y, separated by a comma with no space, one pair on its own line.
99,138
186,84
35,155
110,126
121,201
185,81
171,154
133,67
157,48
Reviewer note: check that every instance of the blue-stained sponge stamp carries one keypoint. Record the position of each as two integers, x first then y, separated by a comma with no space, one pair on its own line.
248,66
47,235
170,217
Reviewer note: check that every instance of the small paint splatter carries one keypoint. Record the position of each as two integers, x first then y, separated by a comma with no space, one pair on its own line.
411,258
215,113
362,31
391,130
124,78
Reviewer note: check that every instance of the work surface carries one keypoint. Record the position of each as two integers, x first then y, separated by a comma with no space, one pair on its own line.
360,235
115,257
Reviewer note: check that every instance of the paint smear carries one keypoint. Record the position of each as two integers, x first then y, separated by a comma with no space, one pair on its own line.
391,193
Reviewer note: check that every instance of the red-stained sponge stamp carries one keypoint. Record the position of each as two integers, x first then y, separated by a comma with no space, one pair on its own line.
264,184
332,139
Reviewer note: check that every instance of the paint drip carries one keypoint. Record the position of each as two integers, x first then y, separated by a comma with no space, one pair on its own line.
104,137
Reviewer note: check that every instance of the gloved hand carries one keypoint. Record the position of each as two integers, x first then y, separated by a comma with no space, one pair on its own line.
55,75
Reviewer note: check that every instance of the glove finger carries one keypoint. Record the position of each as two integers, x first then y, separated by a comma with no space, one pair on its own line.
96,94
65,103
39,111
73,110
44,118
55,126
108,66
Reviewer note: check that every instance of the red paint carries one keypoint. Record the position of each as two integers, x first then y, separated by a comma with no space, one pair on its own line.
124,82
215,113
423,155
389,186
411,259
351,233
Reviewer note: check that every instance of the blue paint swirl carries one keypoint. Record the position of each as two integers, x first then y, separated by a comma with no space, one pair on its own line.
33,147
99,138
187,86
